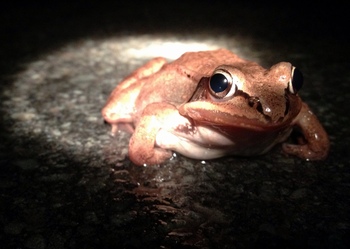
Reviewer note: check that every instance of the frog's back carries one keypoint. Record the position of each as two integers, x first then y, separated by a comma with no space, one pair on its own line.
204,62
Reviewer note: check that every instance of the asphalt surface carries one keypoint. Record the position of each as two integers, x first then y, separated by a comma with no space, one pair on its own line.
66,183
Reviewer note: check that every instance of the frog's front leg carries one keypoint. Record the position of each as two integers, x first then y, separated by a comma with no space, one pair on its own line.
317,142
155,117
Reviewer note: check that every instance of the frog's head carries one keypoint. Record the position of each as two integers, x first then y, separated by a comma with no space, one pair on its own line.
247,96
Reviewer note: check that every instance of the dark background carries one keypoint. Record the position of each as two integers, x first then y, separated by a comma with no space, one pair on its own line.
31,28
317,31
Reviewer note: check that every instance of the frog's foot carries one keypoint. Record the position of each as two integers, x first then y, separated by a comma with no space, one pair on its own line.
156,156
305,151
317,142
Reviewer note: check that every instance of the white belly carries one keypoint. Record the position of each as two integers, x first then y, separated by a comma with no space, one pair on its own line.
207,143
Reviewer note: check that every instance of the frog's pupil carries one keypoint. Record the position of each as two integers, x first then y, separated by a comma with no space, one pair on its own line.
297,80
218,83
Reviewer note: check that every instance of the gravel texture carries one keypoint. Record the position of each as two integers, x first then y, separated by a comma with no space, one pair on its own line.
66,183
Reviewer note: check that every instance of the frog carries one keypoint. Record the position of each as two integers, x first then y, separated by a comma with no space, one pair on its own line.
212,104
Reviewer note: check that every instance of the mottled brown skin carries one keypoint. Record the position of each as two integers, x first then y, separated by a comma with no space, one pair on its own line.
172,108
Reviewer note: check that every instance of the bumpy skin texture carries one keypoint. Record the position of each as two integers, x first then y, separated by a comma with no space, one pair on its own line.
172,107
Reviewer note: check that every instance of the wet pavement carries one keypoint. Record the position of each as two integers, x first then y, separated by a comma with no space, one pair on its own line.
66,183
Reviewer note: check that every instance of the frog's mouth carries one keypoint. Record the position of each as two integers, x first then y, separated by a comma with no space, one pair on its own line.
224,114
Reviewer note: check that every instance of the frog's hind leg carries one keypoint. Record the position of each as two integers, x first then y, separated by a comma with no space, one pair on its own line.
148,69
127,90
120,104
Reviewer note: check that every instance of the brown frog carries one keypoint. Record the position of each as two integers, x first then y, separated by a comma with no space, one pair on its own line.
209,104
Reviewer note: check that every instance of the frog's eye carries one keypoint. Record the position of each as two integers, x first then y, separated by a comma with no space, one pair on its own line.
296,81
221,84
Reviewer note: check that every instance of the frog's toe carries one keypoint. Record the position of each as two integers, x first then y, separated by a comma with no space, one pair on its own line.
304,151
155,157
